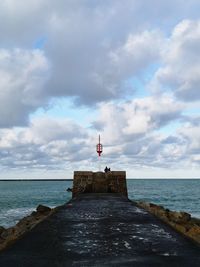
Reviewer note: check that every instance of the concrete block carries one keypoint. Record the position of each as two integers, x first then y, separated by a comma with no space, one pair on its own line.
99,182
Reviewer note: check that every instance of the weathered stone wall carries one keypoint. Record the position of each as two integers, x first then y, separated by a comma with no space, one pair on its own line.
10,235
99,182
180,221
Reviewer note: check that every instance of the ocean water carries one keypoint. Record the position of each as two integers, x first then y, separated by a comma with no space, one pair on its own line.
20,198
175,194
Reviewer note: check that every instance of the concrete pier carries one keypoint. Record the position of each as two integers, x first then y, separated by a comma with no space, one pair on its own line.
99,229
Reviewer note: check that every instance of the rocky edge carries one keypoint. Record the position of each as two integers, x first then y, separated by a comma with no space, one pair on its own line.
10,235
180,221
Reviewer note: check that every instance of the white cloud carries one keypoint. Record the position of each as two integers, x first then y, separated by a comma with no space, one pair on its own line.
138,52
191,134
45,129
132,138
54,144
137,117
47,143
181,70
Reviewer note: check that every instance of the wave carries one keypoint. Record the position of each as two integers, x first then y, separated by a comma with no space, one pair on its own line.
195,215
10,217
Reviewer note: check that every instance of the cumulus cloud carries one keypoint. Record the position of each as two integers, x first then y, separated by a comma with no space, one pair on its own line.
94,47
91,52
137,117
181,70
190,133
87,63
54,144
96,72
132,134
45,129
47,143
93,63
23,74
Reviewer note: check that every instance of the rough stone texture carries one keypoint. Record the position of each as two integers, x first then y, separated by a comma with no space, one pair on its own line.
43,209
10,235
99,182
194,233
101,230
2,229
180,221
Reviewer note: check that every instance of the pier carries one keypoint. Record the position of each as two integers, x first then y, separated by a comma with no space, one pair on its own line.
101,229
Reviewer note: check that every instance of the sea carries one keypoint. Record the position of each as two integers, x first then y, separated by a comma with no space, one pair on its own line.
20,198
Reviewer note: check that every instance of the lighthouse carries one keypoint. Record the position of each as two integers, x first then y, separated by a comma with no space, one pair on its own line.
99,147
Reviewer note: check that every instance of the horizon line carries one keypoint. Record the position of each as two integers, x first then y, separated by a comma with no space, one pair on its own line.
71,179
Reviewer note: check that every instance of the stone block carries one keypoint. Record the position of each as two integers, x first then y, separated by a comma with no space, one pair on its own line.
99,182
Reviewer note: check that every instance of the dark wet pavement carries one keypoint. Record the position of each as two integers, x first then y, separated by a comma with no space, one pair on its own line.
101,230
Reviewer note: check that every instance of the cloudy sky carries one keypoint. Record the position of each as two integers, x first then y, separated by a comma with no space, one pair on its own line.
129,70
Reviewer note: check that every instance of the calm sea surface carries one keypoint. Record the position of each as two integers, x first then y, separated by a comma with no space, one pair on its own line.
20,198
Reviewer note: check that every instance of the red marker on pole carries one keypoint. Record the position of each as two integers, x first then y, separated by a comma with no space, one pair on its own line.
99,151
99,147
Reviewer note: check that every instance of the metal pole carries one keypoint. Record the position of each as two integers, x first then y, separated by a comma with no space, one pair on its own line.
99,163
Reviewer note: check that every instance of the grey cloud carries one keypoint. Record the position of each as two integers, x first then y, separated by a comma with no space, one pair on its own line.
164,118
93,72
22,23
79,43
93,46
111,17
153,151
170,140
46,144
23,74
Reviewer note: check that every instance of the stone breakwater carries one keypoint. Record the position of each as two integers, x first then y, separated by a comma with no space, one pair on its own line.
101,230
180,221
10,235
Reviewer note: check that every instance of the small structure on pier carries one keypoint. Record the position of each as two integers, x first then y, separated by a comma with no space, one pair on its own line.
99,182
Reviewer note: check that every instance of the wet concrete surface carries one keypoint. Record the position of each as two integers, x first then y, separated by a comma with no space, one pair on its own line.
101,230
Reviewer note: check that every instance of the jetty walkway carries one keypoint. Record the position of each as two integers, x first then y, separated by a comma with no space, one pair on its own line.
101,230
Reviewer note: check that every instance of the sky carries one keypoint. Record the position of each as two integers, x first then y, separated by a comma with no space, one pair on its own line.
71,70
